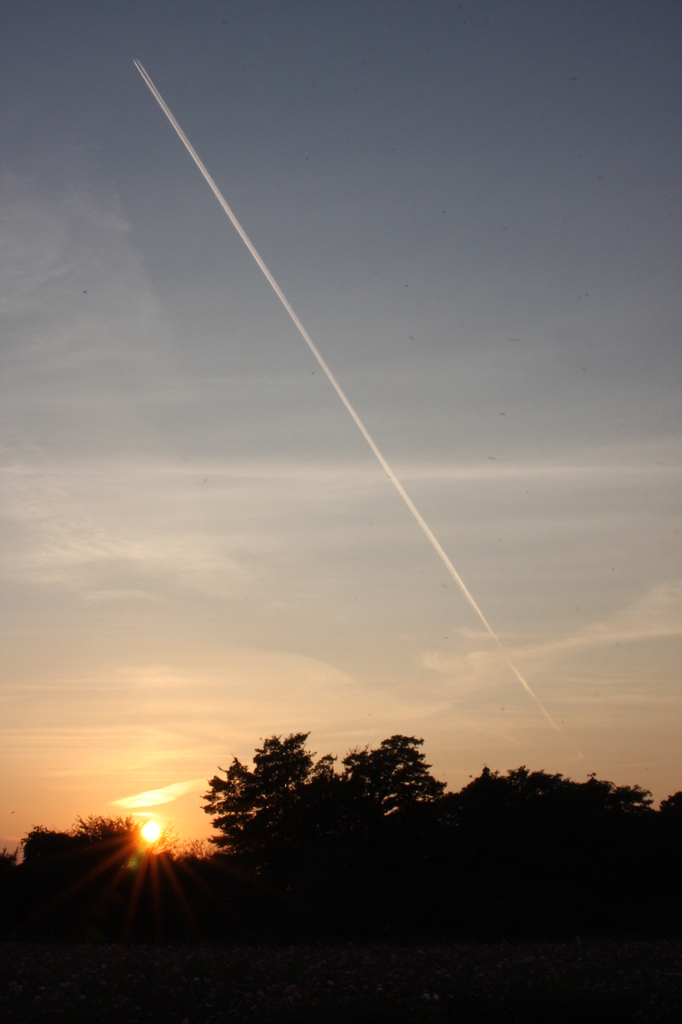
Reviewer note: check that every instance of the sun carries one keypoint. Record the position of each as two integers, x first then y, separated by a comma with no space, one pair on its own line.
151,831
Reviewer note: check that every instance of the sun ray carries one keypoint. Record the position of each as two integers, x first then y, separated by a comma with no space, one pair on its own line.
123,850
157,909
190,916
134,897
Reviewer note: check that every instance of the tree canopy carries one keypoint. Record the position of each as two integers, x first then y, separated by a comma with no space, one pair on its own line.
289,797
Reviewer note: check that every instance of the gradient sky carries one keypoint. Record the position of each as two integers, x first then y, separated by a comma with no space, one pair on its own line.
474,209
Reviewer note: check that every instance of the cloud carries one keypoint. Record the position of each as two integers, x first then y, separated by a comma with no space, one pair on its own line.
113,531
122,529
165,795
593,466
32,243
71,284
656,616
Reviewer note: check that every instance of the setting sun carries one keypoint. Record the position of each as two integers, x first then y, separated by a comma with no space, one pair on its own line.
151,831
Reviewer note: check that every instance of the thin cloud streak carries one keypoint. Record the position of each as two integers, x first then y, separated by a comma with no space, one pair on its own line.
164,795
604,472
433,540
656,616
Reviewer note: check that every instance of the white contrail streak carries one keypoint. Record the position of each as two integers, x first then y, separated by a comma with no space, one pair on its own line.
337,387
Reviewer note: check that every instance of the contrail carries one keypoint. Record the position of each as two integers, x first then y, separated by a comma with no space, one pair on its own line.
337,387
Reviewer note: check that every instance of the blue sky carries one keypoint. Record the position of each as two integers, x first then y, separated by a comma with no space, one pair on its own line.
475,211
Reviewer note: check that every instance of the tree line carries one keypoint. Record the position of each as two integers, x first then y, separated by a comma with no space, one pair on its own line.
372,849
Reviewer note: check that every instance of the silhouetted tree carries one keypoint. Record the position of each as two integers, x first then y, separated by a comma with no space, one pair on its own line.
7,861
394,776
90,835
671,810
288,797
99,879
251,809
46,845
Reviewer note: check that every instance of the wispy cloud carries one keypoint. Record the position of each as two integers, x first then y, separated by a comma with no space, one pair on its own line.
32,242
600,466
164,795
113,529
656,616
72,288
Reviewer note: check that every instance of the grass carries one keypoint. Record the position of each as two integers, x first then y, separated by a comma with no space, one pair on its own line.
529,982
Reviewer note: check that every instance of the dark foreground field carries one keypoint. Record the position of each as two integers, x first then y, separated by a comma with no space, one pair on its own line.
576,982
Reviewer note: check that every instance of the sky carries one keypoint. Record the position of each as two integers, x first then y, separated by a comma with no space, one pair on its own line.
474,209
